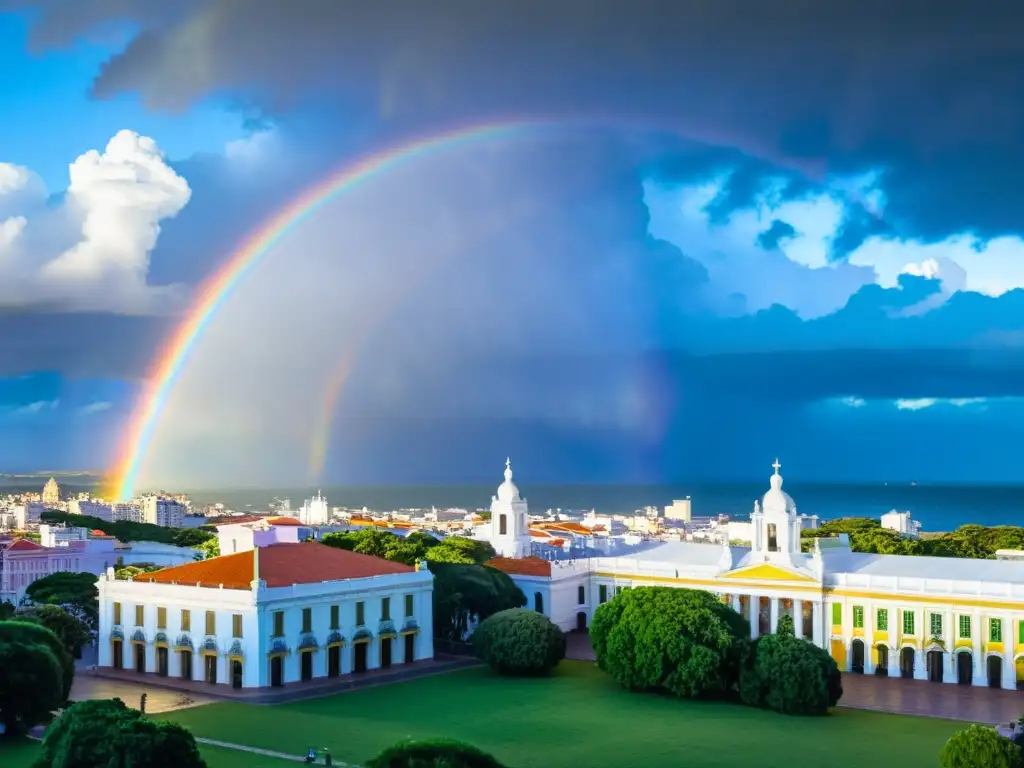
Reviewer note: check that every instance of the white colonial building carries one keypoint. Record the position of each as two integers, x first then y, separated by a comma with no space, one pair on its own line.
267,616
948,620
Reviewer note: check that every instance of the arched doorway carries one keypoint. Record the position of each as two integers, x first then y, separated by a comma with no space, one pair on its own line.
882,668
277,671
236,673
964,663
934,660
994,663
907,663
857,665
581,622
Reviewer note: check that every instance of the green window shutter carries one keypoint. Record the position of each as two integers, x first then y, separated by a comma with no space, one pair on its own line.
995,631
936,622
837,614
1020,631
965,627
883,620
858,616
908,622
603,593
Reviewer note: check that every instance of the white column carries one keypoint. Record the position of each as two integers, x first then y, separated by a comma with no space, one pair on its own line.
773,623
818,627
949,633
869,639
798,618
979,631
894,654
846,627
921,630
754,609
1009,681
736,603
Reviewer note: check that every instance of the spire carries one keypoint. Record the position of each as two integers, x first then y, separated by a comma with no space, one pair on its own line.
508,469
776,466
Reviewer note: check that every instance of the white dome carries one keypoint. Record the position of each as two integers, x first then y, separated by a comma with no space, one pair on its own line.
777,500
507,491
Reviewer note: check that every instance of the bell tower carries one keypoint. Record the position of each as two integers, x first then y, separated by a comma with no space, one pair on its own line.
510,525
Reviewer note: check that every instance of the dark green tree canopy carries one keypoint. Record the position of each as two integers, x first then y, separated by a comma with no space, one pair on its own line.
126,531
436,753
868,535
30,632
465,594
73,633
683,641
76,592
518,641
31,684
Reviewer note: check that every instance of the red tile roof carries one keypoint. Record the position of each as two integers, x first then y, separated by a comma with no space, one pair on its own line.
24,545
521,566
283,521
281,565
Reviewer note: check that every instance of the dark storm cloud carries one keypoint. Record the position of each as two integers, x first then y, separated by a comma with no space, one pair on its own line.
932,91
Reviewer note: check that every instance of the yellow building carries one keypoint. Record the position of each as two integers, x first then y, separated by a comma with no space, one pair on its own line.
51,492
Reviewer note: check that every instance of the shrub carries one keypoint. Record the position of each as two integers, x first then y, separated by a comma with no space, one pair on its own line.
790,675
106,732
977,746
440,753
519,641
28,632
684,641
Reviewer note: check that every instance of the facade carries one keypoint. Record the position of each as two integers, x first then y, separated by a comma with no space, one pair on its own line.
509,531
679,509
160,510
23,562
268,616
315,511
948,620
91,508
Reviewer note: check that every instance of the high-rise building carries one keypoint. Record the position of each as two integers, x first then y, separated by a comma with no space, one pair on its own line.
163,511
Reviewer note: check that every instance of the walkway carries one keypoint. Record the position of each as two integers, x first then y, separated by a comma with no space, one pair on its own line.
194,690
269,753
896,695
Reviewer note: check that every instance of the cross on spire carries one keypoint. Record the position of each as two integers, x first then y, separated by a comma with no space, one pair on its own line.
776,466
508,463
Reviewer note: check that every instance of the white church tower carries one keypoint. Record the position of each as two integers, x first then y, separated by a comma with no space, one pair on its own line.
775,525
510,526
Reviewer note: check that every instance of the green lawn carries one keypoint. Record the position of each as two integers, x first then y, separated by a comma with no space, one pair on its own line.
577,719
21,754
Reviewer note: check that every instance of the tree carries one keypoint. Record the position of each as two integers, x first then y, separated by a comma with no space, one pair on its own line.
978,746
7,610
31,685
72,631
518,641
75,592
467,594
684,641
439,753
790,675
459,549
378,543
27,632
127,531
105,732
191,537
209,548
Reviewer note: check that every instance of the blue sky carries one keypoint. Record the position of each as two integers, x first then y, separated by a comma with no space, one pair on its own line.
756,238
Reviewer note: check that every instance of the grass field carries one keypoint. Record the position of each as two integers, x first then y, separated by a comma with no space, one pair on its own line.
577,719
22,753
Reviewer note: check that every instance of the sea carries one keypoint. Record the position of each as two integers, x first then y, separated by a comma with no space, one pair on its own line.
937,507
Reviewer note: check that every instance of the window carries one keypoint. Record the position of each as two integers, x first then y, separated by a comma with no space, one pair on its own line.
161,618
236,625
307,619
858,616
936,624
211,623
581,594
883,619
140,615
186,621
502,525
360,613
837,614
408,605
995,630
538,602
908,622
334,617
965,627
278,623
602,593
1020,632
117,613
385,608
618,590
773,539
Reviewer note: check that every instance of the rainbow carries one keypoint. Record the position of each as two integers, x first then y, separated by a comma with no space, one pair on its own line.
214,291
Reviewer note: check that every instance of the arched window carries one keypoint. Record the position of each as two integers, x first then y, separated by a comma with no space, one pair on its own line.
773,539
502,525
581,595
538,602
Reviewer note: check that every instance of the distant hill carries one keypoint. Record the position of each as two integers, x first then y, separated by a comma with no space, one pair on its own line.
63,477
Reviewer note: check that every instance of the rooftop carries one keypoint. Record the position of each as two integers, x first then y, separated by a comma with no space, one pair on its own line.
281,565
522,566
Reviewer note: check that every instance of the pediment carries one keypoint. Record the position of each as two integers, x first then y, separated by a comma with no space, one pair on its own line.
767,572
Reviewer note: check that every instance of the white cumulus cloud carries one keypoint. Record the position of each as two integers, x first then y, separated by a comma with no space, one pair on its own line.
92,252
94,408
